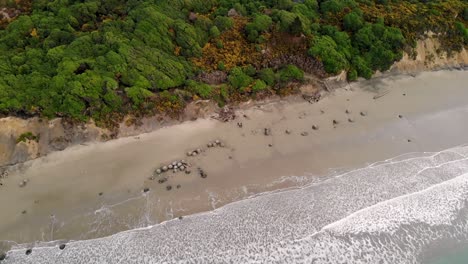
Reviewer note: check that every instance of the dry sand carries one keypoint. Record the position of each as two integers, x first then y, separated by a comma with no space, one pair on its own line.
61,199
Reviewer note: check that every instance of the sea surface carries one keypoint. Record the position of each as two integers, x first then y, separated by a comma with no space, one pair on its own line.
408,209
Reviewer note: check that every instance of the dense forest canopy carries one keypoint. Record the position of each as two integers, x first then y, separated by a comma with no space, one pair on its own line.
94,58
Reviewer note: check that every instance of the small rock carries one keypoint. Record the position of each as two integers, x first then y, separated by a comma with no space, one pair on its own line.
209,145
24,212
174,163
23,183
101,193
2,256
62,246
202,173
178,186
347,111
400,116
188,172
183,162
199,151
270,145
350,120
230,157
158,171
182,167
164,168
267,132
194,153
304,134
217,142
170,166
180,217
146,190
322,112
315,127
189,153
363,113
28,251
163,180
335,122
239,124
404,94
287,131
179,164
168,187
409,140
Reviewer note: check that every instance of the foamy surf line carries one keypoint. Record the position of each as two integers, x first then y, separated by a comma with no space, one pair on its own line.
321,222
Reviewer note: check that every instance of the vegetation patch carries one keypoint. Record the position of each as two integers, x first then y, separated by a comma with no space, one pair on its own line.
27,136
106,59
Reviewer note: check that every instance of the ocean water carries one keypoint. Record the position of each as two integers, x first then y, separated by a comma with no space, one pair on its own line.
394,211
458,256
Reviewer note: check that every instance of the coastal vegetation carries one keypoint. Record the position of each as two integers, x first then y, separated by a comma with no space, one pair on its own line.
105,59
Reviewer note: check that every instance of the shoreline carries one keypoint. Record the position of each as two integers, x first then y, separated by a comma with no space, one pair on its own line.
67,184
88,133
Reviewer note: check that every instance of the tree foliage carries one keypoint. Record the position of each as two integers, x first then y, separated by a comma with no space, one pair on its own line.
92,58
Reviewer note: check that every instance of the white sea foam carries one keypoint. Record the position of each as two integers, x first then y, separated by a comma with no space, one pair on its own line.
385,213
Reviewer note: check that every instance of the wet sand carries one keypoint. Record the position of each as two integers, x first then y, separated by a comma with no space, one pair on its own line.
61,199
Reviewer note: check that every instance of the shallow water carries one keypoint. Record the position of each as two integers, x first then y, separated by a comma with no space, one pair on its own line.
458,255
388,212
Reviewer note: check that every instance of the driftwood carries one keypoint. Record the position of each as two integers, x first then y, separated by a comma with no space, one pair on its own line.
380,95
226,114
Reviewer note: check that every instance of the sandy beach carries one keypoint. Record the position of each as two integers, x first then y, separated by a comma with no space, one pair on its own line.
100,189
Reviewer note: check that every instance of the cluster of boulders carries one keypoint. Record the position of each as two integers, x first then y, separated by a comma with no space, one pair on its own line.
194,152
216,143
175,166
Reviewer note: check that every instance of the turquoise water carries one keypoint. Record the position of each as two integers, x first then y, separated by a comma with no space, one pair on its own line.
459,256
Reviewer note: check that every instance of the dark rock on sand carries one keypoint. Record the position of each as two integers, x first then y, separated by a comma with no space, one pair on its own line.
62,246
347,111
202,173
363,113
24,212
409,140
239,124
267,131
101,193
350,120
178,186
162,180
400,116
270,145
169,187
188,172
28,251
2,256
304,134
180,217
335,122
146,190
315,127
287,131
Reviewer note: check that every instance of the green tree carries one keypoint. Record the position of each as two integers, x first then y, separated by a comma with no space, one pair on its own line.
268,76
325,48
238,79
353,22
